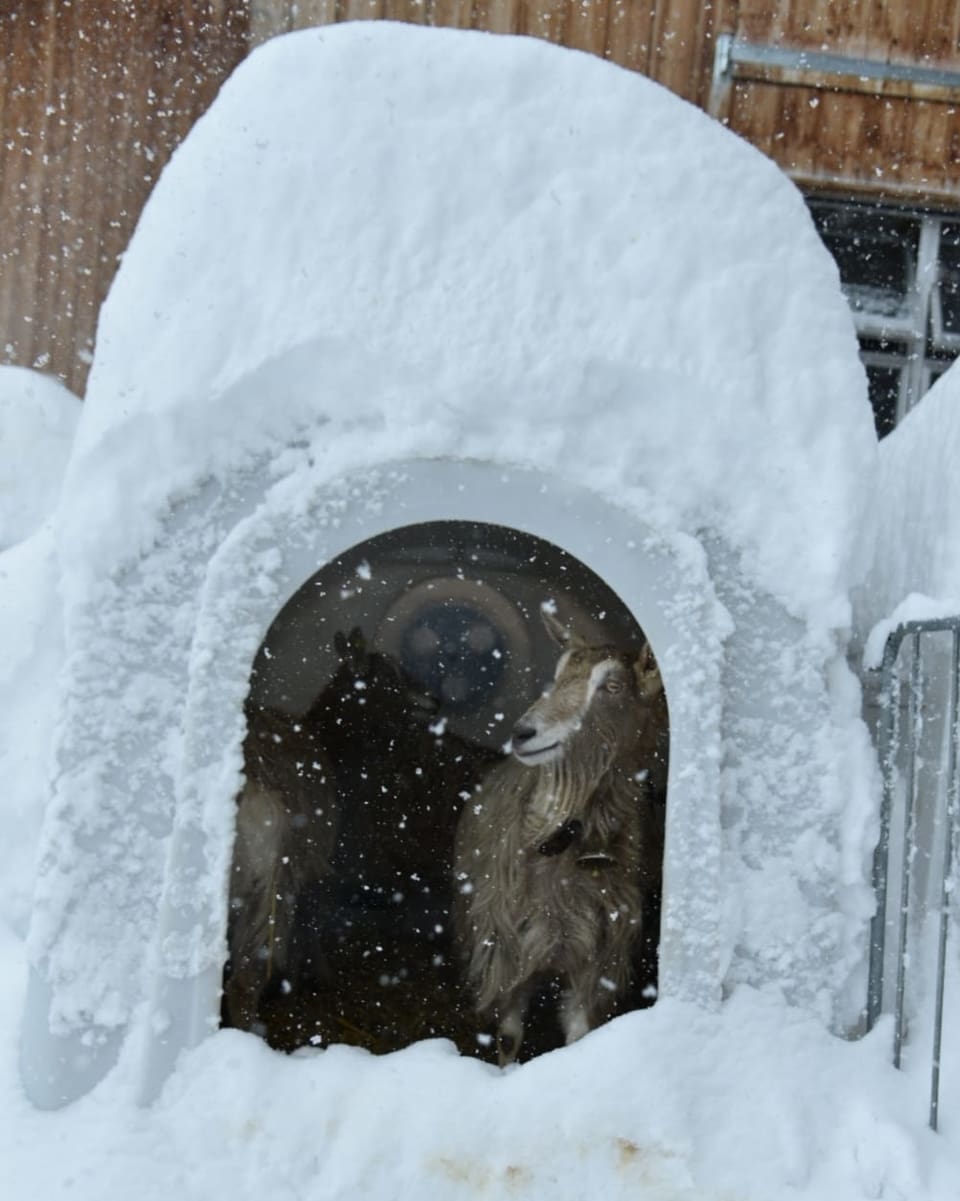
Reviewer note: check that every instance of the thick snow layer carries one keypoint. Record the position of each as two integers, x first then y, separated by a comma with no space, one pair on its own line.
430,242
385,244
915,573
38,419
672,1104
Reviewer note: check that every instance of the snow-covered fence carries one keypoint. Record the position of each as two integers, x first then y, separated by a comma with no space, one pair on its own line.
927,817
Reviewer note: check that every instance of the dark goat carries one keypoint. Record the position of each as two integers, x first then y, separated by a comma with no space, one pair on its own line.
401,775
553,854
286,831
344,834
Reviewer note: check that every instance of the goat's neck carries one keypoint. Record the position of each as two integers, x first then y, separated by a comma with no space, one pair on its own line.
565,790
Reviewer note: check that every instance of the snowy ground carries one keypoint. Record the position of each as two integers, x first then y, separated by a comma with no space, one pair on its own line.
755,1103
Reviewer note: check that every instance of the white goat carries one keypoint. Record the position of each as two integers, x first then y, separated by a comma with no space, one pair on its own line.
551,866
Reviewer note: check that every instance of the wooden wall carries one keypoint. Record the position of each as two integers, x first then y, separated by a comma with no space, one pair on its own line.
668,40
94,98
96,94
892,139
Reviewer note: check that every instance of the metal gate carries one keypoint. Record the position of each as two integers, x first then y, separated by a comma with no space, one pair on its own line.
920,682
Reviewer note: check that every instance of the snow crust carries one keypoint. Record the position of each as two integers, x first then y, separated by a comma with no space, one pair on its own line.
38,420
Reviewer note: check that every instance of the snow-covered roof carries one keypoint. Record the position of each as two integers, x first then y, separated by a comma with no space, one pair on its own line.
408,242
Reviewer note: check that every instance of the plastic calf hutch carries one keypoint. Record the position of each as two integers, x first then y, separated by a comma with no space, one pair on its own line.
397,354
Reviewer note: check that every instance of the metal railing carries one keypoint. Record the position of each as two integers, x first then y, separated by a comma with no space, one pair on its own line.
916,635
735,58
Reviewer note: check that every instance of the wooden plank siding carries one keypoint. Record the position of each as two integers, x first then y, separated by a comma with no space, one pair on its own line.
664,39
892,148
96,94
95,98
853,134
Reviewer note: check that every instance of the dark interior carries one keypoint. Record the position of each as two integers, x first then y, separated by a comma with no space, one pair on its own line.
405,663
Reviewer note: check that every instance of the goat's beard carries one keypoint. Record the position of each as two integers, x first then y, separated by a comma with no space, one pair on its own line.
563,789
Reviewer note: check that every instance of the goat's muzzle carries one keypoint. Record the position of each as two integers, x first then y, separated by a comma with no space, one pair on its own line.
527,745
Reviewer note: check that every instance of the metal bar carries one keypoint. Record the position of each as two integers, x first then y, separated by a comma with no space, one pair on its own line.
877,325
924,282
751,54
921,626
890,705
721,76
949,837
942,338
916,683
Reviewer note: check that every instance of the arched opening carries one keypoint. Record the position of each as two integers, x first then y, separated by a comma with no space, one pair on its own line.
383,692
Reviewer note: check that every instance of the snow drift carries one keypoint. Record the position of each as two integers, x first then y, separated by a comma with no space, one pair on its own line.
38,419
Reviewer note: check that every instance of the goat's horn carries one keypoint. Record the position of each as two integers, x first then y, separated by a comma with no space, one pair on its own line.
647,673
560,633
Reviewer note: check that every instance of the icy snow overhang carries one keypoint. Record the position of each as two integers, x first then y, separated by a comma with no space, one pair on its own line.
404,241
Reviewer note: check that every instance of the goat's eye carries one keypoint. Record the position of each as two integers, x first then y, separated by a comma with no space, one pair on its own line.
613,686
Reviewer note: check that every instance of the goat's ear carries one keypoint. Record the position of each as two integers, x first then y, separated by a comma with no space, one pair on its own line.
647,673
562,635
352,647
358,650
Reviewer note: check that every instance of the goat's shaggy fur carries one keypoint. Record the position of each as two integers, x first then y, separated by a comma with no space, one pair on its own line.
286,831
365,788
400,774
550,856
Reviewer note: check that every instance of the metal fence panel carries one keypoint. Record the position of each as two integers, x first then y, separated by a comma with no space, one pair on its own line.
905,781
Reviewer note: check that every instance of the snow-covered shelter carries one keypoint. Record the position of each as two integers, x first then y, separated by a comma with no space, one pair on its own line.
416,314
